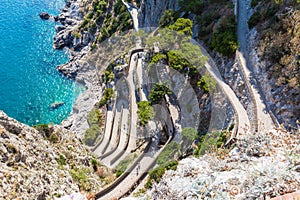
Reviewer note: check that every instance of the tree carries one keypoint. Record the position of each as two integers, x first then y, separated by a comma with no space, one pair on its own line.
145,112
167,18
183,26
207,84
158,92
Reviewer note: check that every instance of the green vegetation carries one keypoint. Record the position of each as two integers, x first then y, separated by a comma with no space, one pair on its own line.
107,96
254,3
81,175
157,173
61,160
182,26
158,92
44,129
167,19
224,40
207,84
158,57
254,19
177,62
189,135
145,112
122,166
211,141
94,119
169,153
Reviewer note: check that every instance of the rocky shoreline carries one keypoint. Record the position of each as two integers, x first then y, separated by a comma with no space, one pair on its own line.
77,69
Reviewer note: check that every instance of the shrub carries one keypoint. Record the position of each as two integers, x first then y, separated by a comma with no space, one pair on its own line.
207,84
145,112
44,129
94,119
122,166
211,141
61,160
224,40
168,153
157,173
158,57
158,92
254,19
254,3
167,18
81,177
107,96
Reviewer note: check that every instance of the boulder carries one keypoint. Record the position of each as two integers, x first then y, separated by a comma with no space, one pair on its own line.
44,15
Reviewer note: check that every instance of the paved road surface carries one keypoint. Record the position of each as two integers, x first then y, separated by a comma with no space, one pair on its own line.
263,118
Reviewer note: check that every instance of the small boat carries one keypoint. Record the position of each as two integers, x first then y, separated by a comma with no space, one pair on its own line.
56,105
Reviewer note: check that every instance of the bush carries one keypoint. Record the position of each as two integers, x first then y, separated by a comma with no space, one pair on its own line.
61,160
167,18
44,129
158,92
94,119
207,84
168,153
224,40
254,3
145,112
158,57
107,96
211,141
122,166
81,177
254,19
157,173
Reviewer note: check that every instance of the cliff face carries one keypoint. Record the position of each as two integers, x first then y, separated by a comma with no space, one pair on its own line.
151,11
42,165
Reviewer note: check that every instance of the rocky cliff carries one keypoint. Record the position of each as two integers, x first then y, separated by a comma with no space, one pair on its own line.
151,11
261,166
42,164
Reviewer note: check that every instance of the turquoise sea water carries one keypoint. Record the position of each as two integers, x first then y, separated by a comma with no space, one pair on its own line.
29,81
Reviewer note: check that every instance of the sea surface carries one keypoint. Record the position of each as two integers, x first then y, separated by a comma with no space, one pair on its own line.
29,81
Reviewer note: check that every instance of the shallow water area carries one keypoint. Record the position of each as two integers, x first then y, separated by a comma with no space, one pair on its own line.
29,81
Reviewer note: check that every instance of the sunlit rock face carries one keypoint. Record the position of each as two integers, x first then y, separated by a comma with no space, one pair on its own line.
152,10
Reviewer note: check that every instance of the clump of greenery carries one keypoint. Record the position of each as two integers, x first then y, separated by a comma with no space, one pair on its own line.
44,129
107,96
170,151
183,26
168,18
158,92
211,141
177,62
61,160
224,40
207,84
94,119
157,173
81,175
145,112
254,3
122,166
254,19
158,57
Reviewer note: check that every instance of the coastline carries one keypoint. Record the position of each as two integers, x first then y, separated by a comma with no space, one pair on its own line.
76,68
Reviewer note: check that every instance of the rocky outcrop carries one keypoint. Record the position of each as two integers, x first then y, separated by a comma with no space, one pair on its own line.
35,165
151,11
44,15
259,167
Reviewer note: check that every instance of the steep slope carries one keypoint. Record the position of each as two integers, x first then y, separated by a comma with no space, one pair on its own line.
43,164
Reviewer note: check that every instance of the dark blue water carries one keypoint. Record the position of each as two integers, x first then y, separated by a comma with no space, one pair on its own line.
29,81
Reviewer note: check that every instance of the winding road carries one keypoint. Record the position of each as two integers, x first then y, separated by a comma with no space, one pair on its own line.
262,119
